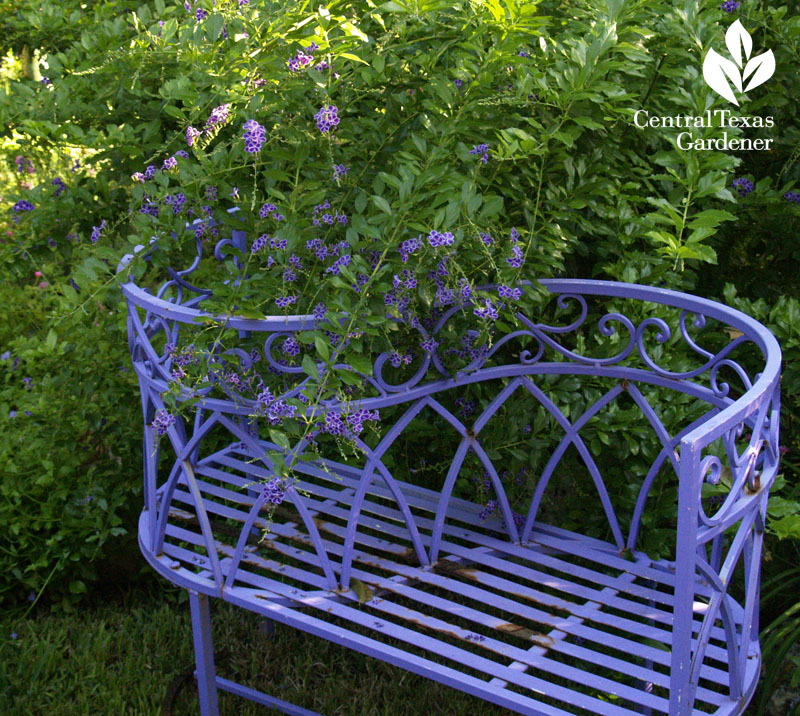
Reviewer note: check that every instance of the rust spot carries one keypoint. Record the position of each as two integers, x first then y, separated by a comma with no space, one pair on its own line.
528,634
625,384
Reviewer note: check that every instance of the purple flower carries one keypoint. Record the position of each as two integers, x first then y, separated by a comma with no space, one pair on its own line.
436,238
327,118
743,186
59,185
150,172
429,344
731,5
279,244
339,171
465,407
319,311
266,210
458,83
514,234
200,15
792,196
289,275
254,136
291,347
335,267
506,292
192,134
96,231
489,311
483,150
523,53
169,163
285,301
22,205
486,238
162,422
259,243
219,115
274,491
516,260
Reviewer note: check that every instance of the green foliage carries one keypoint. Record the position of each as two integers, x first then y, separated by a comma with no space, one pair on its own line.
592,194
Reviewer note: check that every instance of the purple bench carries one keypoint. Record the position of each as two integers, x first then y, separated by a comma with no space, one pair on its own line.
519,612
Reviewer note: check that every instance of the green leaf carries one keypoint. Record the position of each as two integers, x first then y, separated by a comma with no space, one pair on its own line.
382,204
361,363
363,592
280,438
351,56
323,349
213,24
310,366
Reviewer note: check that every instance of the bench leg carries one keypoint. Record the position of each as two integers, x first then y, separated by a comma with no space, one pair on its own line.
203,654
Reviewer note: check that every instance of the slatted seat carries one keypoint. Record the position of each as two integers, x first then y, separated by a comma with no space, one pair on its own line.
533,617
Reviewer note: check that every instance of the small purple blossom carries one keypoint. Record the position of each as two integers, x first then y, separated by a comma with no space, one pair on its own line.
327,118
59,185
169,163
274,491
731,5
436,238
483,150
192,134
506,292
319,311
515,261
291,347
96,230
266,210
162,422
743,186
339,171
285,301
429,344
489,311
219,115
254,136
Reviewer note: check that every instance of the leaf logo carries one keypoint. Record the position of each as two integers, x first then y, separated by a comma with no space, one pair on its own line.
720,73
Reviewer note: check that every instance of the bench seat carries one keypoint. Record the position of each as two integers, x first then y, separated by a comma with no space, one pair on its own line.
563,624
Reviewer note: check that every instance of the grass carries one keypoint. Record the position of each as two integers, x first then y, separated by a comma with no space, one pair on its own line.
121,655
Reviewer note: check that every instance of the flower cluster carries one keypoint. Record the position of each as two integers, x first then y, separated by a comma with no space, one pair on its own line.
506,292
274,491
731,5
515,261
59,185
254,136
436,239
352,425
162,422
409,246
488,311
218,116
177,202
19,207
192,134
285,301
275,409
301,60
327,118
339,171
291,347
483,150
96,230
743,186
792,196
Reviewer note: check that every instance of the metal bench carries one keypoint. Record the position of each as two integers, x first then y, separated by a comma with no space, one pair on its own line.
526,614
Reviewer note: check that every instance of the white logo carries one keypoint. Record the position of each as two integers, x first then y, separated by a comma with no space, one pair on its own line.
717,70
